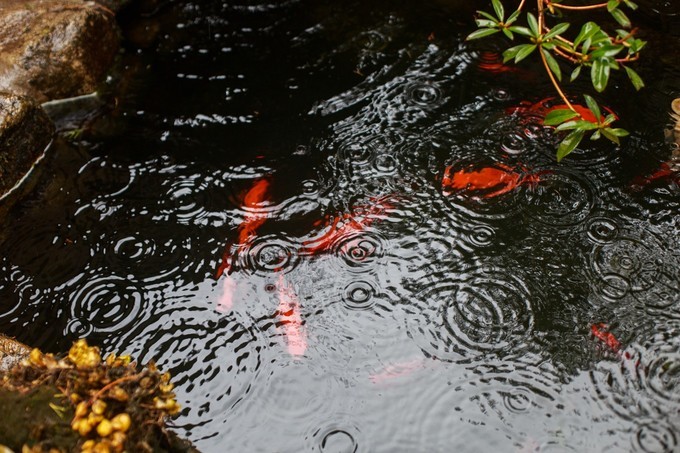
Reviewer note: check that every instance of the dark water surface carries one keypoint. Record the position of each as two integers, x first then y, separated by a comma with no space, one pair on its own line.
424,320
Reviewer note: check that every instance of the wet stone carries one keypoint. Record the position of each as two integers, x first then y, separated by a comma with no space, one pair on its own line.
25,132
54,49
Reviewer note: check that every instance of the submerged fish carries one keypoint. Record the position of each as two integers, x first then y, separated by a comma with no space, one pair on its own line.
541,108
670,170
487,181
290,318
601,332
399,370
337,226
246,230
492,62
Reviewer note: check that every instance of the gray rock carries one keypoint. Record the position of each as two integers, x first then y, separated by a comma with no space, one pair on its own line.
54,49
25,132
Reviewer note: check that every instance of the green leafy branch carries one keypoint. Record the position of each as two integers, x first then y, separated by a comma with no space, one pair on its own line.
592,48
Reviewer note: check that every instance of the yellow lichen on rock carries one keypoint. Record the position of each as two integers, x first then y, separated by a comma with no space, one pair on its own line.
84,356
116,405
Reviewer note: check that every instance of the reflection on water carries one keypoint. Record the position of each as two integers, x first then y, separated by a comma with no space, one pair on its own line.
330,223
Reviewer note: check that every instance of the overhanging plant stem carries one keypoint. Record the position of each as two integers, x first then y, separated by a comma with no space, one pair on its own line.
575,8
545,62
555,84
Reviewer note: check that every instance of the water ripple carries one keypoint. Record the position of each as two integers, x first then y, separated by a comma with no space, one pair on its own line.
631,260
51,253
214,364
105,304
561,199
508,391
601,230
644,383
100,177
361,251
268,255
17,293
359,295
656,436
150,253
464,317
340,434
424,94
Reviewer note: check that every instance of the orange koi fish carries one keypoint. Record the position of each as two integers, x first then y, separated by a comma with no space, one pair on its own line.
342,224
601,332
493,181
246,230
665,171
291,321
493,62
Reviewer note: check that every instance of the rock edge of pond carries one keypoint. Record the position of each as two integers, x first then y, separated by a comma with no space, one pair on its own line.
52,49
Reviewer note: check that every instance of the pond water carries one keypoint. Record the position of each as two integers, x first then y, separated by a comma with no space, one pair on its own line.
262,213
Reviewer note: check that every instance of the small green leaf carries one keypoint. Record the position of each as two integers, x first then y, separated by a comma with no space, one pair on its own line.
507,33
569,125
617,131
587,31
485,23
524,51
552,64
609,119
481,33
630,4
586,45
575,73
612,5
592,105
498,9
557,30
599,74
533,25
513,17
611,137
634,78
520,30
509,54
585,125
488,16
558,116
569,144
595,136
606,51
620,17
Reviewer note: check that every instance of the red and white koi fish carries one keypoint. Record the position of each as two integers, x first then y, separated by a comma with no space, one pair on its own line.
246,231
490,181
226,301
340,225
290,319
